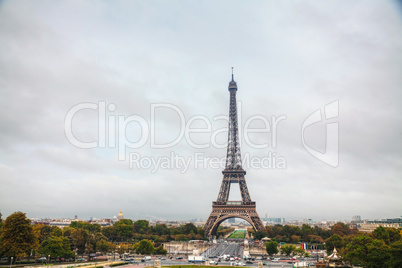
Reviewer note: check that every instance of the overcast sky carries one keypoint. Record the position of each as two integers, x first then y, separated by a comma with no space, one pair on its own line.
100,74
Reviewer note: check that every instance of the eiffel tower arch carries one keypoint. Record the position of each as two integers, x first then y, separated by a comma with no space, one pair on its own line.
233,173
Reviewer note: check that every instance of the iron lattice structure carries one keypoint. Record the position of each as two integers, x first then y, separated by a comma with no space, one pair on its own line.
224,209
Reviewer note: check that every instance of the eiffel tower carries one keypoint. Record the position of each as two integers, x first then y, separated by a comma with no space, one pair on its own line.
224,209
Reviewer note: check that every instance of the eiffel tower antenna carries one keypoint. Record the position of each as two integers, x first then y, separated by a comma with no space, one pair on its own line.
224,209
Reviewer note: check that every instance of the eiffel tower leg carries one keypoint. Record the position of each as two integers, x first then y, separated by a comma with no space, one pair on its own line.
245,195
224,191
258,225
209,224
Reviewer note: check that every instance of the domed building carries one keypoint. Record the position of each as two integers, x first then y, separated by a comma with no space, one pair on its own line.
120,216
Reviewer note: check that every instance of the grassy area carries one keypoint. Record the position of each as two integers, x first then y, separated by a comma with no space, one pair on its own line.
238,234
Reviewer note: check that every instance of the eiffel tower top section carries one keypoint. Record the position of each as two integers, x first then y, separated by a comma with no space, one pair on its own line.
233,156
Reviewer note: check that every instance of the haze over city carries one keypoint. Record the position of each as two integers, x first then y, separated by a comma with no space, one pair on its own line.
78,71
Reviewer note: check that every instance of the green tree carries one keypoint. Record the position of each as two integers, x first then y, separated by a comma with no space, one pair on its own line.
144,247
57,231
89,249
91,228
160,250
381,234
306,231
112,248
260,235
396,254
124,230
300,252
102,246
80,238
393,235
288,249
367,252
271,247
17,238
188,228
141,226
67,231
42,232
180,237
56,247
160,229
335,241
110,232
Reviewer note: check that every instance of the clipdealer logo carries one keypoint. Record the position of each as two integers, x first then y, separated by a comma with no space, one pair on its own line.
112,133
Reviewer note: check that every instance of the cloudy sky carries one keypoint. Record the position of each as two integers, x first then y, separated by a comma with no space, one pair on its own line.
122,105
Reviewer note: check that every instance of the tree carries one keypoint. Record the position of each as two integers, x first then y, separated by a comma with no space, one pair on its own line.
180,237
271,247
57,231
381,234
160,250
396,254
90,227
56,247
102,246
306,231
80,239
340,229
335,241
160,229
124,230
300,252
17,238
141,226
144,247
295,238
288,249
42,232
112,248
89,249
337,230
367,252
188,228
393,235
260,235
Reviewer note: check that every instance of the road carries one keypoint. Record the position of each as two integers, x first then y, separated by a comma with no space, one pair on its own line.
233,249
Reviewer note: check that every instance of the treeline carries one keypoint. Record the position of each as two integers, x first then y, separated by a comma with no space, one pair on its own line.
381,248
305,233
223,231
126,230
20,239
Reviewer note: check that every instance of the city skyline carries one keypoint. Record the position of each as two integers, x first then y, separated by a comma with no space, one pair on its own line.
82,82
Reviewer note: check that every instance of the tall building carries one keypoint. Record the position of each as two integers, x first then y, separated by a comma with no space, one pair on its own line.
233,173
356,218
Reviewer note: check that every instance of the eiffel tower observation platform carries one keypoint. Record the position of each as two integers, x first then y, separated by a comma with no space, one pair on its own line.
233,203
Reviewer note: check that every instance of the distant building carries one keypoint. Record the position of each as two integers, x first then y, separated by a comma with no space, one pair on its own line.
370,227
274,220
307,220
120,216
356,218
387,221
